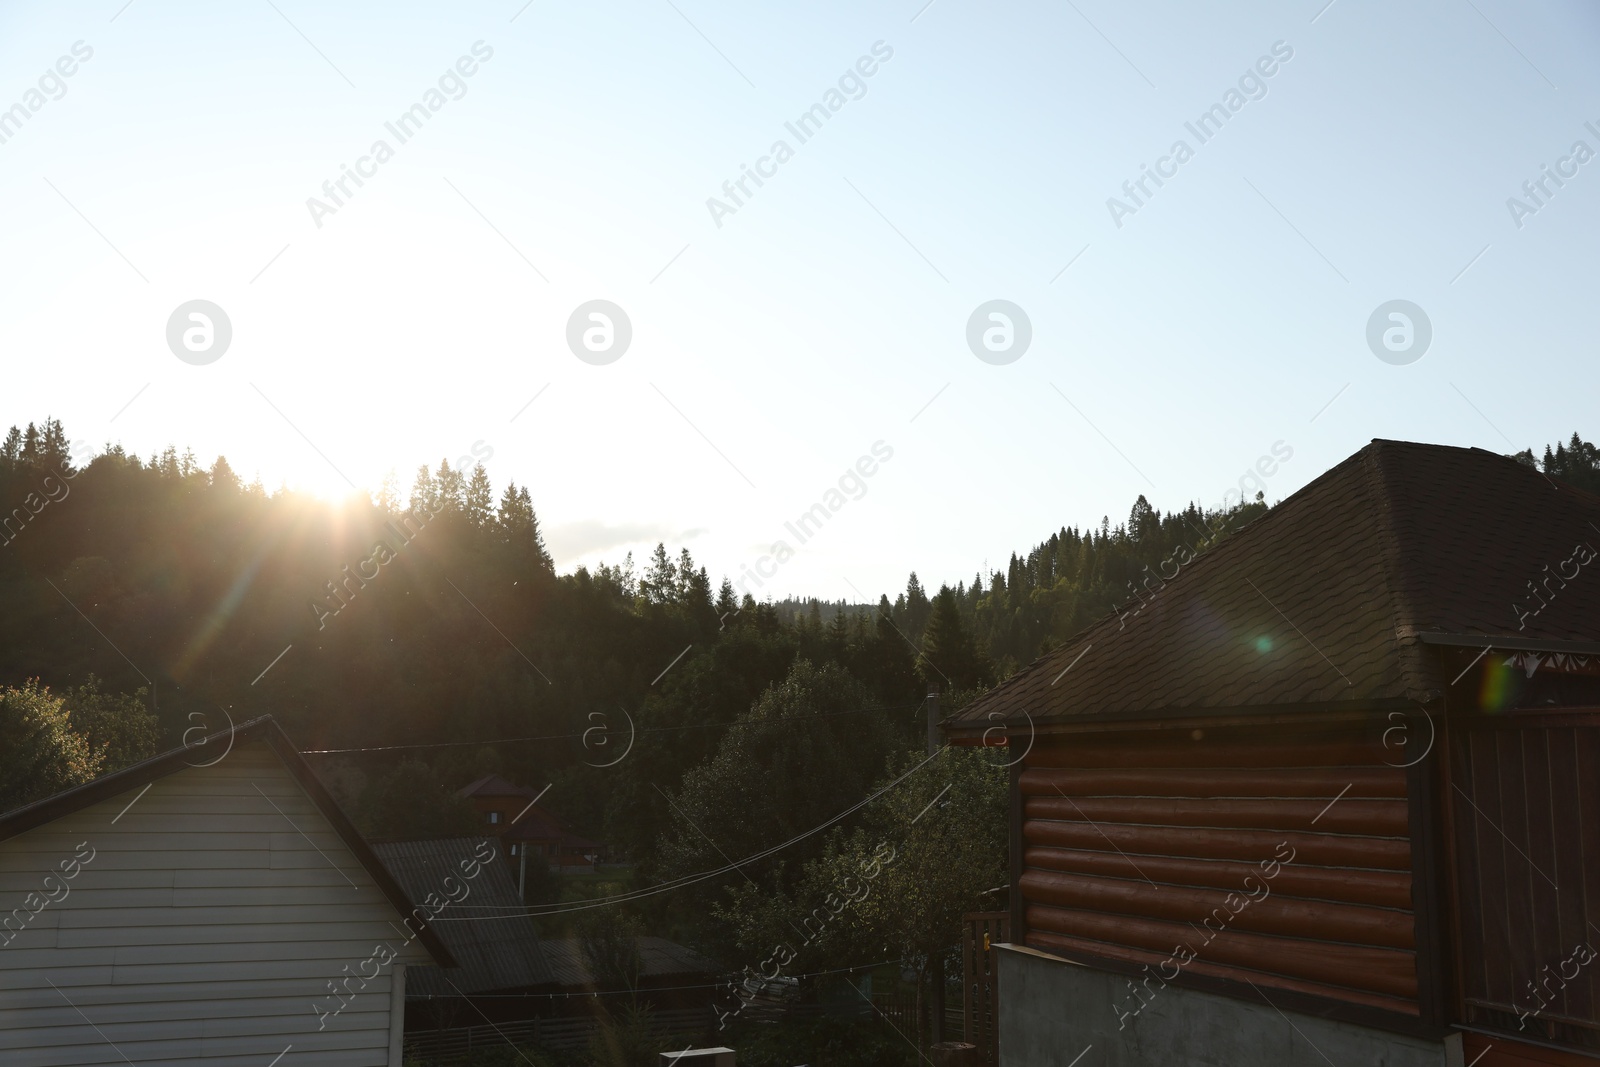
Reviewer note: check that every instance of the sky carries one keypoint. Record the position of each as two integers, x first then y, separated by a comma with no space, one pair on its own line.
819,338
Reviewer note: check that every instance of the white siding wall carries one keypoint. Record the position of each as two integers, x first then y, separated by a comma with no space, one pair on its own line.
201,932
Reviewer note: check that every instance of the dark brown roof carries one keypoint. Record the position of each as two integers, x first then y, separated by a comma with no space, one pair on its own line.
264,729
1331,596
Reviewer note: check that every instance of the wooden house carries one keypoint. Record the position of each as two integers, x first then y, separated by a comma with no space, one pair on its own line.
512,812
210,906
1327,792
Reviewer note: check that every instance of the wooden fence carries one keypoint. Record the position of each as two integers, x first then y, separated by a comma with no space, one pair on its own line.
982,930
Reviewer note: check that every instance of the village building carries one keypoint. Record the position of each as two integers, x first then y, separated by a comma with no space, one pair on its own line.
498,956
1330,795
209,906
512,813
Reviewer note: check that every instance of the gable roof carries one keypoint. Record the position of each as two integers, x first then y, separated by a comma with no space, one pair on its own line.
1331,598
494,943
264,729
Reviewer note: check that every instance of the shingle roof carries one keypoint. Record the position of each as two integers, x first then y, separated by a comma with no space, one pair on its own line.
495,945
1332,595
658,958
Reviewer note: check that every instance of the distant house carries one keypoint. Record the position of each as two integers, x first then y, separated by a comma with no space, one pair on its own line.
510,811
1328,793
497,952
208,906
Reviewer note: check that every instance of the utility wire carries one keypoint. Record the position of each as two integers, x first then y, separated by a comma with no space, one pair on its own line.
688,879
782,720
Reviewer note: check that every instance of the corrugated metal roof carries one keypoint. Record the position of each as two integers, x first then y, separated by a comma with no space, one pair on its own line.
659,958
492,785
495,949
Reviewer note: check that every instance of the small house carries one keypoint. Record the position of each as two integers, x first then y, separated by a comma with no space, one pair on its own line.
209,906
511,812
1326,792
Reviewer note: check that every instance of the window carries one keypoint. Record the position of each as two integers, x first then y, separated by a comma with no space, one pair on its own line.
494,818
514,849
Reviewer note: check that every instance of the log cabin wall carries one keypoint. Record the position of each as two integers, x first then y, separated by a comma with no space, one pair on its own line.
1228,861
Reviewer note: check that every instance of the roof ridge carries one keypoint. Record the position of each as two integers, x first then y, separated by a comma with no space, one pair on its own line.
1198,564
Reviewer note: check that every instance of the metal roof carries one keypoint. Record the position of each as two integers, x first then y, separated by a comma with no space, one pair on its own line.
495,946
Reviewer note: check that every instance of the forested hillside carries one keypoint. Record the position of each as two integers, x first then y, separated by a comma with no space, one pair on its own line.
431,640
439,618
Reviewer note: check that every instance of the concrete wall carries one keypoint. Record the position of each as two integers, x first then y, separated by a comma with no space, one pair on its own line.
1062,1014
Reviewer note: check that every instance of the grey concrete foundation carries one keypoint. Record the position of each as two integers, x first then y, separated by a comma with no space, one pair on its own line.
1055,1014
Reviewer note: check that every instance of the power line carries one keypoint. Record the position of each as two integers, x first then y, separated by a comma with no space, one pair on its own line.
783,720
539,911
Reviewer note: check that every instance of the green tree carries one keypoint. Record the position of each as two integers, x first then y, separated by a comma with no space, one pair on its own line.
950,652
450,486
41,753
412,802
479,499
424,492
119,727
765,784
904,878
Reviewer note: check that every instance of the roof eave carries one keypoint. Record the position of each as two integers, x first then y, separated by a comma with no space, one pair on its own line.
1020,724
263,728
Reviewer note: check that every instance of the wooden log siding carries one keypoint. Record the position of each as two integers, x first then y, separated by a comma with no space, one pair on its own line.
1128,848
201,932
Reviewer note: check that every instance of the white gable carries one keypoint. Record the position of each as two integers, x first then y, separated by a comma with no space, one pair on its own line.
197,923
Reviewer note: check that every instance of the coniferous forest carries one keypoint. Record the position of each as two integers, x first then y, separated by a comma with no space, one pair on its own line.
415,640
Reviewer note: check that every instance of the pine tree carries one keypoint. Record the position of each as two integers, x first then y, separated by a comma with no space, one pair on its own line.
949,651
424,493
479,497
389,494
660,582
451,487
222,476
727,603
56,452
535,536
917,608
